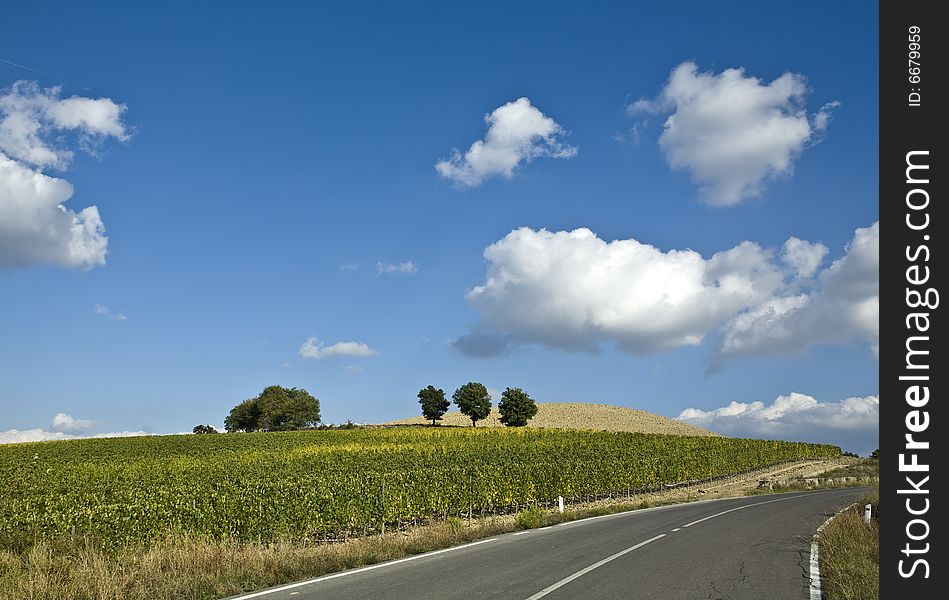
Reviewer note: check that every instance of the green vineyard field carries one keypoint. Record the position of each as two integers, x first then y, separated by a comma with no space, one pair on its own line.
312,484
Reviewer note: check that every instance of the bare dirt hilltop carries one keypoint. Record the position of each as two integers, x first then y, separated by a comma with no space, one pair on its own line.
579,415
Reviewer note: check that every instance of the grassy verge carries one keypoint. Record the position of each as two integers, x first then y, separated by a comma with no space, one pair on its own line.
193,568
189,567
799,485
859,474
849,554
867,467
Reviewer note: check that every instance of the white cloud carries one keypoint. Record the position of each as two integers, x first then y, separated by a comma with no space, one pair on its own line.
35,225
517,134
406,268
313,348
732,132
28,114
350,266
823,116
16,436
106,312
802,256
853,422
572,290
69,424
844,304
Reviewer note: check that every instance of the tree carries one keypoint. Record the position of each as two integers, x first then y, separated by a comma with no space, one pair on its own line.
203,429
282,409
516,407
875,454
434,404
275,409
244,417
473,400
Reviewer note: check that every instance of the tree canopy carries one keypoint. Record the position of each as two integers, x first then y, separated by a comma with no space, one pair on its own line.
434,403
275,409
516,407
203,429
473,400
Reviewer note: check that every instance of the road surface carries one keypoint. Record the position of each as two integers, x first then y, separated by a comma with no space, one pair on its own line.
753,548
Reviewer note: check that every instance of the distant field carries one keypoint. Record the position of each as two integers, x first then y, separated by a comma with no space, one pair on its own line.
579,415
308,484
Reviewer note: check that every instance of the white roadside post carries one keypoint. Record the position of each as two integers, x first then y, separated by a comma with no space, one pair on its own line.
866,515
560,503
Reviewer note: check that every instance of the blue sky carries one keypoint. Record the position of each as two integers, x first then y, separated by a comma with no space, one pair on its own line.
272,178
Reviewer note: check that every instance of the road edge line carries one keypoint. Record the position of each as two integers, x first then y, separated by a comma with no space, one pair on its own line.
815,585
373,567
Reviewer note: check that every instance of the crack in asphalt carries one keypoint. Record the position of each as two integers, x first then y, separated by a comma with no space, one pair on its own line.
717,594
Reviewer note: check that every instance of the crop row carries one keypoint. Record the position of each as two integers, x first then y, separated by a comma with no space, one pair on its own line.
309,484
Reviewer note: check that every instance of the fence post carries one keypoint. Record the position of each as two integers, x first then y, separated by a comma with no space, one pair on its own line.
866,514
560,503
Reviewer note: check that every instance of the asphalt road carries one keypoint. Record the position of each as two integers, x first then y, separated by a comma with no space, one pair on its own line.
754,548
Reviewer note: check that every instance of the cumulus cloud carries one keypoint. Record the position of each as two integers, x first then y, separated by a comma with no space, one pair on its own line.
573,290
733,132
802,256
16,436
107,313
844,304
405,268
517,134
69,424
850,423
313,348
35,225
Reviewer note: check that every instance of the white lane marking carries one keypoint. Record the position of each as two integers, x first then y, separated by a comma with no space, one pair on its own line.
595,565
521,532
676,529
725,512
291,586
815,559
815,572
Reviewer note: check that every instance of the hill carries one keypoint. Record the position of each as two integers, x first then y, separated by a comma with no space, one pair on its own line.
580,415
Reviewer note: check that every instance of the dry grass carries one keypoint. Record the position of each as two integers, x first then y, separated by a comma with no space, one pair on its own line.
579,415
195,568
850,554
865,467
